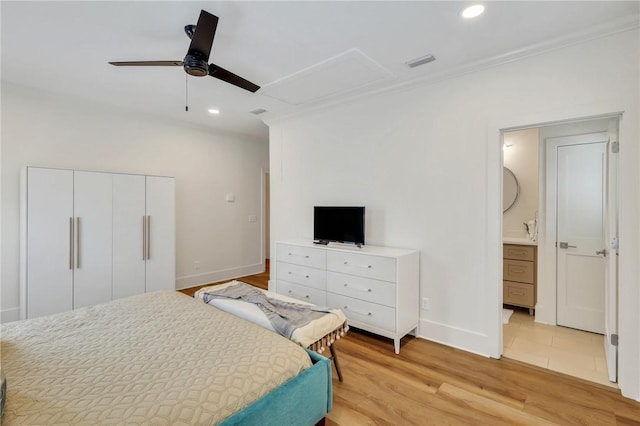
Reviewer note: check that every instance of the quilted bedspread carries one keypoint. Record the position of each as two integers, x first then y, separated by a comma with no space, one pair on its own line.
158,358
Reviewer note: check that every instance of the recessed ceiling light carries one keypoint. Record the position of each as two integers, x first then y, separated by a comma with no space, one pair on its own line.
214,111
472,11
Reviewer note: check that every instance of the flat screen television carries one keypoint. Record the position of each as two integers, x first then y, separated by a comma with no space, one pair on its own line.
338,224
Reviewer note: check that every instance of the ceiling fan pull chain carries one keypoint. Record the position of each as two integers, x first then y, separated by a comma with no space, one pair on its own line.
186,90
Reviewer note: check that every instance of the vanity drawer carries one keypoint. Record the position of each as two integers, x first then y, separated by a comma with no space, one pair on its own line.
300,255
518,252
518,294
376,267
378,316
370,290
518,270
306,294
303,275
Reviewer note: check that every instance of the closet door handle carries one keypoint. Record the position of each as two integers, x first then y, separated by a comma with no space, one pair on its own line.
71,243
148,237
78,242
144,238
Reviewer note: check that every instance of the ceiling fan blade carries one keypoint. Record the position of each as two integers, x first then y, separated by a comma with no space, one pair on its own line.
202,39
147,64
229,77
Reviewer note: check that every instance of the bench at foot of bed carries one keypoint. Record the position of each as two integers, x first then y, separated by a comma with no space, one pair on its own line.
318,335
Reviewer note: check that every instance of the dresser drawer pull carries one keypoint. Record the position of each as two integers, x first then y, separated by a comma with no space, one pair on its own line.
368,290
517,271
297,295
360,266
306,256
291,273
517,252
346,308
517,293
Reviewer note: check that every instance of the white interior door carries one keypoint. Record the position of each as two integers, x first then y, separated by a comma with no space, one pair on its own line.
580,203
92,206
128,234
160,233
49,272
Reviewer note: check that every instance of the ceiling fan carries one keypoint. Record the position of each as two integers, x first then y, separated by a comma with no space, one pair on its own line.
195,63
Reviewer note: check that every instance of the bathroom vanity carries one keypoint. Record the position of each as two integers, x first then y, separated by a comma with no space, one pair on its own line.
519,273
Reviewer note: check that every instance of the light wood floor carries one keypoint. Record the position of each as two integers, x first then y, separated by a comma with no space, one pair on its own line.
432,384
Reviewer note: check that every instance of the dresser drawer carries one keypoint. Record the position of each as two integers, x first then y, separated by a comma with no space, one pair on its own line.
303,275
376,267
516,252
517,270
300,255
368,313
367,289
300,292
518,294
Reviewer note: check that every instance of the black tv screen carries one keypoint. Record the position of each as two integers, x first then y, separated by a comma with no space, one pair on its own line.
338,224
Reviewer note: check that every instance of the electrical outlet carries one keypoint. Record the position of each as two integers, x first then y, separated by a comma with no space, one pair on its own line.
196,265
425,303
253,218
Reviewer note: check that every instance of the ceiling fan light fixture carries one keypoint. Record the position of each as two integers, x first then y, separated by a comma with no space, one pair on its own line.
195,67
214,111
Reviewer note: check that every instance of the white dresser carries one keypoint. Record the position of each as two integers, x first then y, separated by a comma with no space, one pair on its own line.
376,287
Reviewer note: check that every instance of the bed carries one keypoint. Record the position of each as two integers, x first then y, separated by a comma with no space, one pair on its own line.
158,358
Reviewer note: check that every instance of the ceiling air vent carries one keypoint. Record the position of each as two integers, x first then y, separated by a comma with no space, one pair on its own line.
258,111
420,61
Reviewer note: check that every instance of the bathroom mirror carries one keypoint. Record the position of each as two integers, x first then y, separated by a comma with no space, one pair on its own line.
511,189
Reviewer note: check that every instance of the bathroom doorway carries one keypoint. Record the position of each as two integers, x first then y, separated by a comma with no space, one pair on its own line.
531,332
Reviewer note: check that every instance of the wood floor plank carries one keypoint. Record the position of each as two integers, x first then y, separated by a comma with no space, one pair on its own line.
489,406
568,412
432,384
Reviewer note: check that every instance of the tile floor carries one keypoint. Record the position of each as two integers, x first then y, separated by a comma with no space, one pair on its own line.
573,352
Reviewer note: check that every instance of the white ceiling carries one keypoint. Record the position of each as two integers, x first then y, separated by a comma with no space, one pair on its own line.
303,53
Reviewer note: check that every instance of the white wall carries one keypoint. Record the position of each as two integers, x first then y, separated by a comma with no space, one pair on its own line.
521,157
426,162
45,129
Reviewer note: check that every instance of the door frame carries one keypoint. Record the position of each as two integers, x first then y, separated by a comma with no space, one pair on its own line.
629,228
495,160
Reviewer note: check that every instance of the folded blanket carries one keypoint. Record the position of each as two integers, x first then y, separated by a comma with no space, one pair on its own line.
285,317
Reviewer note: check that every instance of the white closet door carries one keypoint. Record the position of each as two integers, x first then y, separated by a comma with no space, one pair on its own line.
93,238
49,276
161,255
128,244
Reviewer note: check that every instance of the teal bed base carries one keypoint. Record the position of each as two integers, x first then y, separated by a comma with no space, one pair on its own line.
304,400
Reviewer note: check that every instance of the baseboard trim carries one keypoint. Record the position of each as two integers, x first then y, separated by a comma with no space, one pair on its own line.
456,337
9,315
212,277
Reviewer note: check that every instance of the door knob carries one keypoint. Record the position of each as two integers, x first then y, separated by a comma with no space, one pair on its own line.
564,245
602,252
